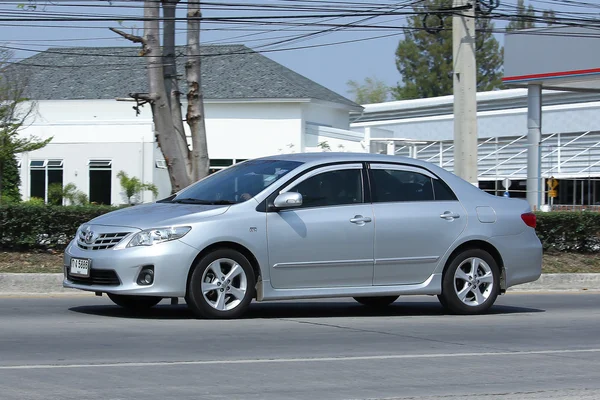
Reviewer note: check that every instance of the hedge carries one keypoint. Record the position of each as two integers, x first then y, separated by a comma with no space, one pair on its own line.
27,227
32,226
569,231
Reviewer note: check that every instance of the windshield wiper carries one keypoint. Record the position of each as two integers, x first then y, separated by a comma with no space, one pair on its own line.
189,200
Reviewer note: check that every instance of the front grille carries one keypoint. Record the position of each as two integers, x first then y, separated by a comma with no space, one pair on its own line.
104,277
103,242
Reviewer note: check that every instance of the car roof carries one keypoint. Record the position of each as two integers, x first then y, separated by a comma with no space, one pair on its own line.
327,157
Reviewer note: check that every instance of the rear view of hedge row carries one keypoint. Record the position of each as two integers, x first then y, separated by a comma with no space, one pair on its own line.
26,226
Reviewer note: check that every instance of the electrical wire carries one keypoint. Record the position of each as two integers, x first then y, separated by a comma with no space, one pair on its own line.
310,19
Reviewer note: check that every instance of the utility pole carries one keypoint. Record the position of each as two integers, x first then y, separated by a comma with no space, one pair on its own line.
534,138
465,91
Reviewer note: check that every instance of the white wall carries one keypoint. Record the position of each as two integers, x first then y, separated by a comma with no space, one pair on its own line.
502,123
326,114
91,129
251,130
336,139
107,129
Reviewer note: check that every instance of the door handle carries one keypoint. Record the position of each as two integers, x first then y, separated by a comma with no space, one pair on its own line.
449,215
359,219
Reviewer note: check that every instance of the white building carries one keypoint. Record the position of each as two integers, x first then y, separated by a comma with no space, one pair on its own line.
570,143
253,105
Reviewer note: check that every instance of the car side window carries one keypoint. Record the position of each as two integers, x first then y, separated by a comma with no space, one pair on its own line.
442,192
331,188
390,185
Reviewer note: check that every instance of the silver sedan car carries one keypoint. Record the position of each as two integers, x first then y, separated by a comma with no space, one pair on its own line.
312,225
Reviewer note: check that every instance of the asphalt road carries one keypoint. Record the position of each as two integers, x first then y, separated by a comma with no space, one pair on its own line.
531,346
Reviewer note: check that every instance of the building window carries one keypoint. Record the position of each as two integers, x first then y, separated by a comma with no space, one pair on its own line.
43,173
161,164
218,164
100,181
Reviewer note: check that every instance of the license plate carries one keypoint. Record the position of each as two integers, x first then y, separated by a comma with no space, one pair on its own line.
80,267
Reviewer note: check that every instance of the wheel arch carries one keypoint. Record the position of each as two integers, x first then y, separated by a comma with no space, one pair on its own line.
225,245
488,248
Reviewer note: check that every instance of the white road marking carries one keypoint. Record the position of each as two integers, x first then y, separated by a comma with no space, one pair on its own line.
296,360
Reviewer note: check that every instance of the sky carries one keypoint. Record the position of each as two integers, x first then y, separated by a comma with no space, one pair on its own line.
331,64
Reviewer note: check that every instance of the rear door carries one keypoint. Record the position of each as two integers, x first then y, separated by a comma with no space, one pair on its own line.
417,220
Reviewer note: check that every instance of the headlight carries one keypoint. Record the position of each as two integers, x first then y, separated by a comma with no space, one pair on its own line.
152,236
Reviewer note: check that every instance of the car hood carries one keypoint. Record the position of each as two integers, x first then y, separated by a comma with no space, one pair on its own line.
157,215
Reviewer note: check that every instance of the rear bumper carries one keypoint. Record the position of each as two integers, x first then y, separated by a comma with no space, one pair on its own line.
522,256
171,260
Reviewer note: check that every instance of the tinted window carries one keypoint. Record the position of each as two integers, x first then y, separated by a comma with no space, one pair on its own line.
237,183
331,188
442,191
394,185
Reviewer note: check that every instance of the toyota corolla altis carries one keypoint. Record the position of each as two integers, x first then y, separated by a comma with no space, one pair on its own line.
313,225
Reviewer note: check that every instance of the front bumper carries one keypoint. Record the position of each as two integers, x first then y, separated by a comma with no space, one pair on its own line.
171,260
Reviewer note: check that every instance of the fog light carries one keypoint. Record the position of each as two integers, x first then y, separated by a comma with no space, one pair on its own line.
146,276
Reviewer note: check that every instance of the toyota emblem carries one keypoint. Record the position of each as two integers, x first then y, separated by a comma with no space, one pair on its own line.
89,236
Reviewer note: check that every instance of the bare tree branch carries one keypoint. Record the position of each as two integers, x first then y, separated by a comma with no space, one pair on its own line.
128,36
149,97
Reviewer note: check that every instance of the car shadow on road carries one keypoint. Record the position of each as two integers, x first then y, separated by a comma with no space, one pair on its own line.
298,309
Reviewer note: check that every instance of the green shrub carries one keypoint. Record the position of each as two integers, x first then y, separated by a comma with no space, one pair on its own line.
35,201
73,196
35,225
39,226
574,231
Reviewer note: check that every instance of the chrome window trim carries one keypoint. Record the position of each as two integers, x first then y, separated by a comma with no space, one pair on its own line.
396,167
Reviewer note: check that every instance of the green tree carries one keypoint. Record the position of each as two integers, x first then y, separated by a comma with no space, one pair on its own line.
56,194
425,60
11,179
549,17
526,17
133,186
372,90
15,112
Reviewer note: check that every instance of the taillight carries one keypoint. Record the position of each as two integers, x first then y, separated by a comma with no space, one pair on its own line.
529,219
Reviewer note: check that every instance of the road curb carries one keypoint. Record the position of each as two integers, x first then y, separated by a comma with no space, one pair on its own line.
562,282
17,284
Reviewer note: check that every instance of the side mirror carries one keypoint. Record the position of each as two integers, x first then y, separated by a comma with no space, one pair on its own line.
288,200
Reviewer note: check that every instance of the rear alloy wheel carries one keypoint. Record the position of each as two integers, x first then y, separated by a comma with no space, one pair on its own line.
376,302
134,302
222,285
471,283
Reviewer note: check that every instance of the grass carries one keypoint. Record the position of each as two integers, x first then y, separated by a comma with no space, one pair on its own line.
31,262
36,262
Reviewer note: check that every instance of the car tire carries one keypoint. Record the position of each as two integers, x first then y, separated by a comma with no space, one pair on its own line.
376,302
471,283
134,302
221,285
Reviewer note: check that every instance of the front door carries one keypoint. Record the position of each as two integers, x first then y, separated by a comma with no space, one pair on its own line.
418,219
328,241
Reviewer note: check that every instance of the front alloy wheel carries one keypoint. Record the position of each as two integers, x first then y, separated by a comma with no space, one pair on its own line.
470,283
222,285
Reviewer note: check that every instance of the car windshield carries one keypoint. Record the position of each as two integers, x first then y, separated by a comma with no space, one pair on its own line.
237,183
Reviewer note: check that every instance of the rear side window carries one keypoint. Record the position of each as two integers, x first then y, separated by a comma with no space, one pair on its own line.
392,185
442,191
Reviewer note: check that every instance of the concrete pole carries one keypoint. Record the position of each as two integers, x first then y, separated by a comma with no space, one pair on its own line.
534,138
465,93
